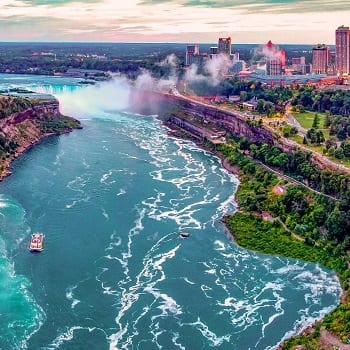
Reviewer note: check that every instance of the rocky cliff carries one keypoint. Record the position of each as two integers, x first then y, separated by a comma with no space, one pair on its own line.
165,104
20,130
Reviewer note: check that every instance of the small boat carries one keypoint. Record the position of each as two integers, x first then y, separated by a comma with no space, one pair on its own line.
184,234
36,242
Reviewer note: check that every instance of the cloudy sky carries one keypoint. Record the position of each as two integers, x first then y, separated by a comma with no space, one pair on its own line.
246,21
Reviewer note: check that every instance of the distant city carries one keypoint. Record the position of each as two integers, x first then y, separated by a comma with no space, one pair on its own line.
268,62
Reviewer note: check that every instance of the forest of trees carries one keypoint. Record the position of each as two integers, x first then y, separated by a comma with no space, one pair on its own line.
336,105
332,216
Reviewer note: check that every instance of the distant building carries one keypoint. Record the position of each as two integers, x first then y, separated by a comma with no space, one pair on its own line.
250,105
273,51
235,57
191,52
273,66
306,68
213,52
274,60
298,65
298,60
224,46
283,58
320,59
342,50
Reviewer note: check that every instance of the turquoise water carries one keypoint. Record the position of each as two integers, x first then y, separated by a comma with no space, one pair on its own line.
111,200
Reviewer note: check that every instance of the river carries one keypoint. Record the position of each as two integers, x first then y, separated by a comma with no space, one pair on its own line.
111,200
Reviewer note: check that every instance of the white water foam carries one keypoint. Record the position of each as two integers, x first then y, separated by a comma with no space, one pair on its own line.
210,336
70,296
67,335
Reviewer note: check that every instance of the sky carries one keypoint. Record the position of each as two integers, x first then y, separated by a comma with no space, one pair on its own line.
186,21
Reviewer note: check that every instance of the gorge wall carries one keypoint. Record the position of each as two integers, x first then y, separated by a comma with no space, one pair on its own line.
21,130
146,102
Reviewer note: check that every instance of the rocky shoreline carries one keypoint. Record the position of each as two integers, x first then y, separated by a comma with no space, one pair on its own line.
28,127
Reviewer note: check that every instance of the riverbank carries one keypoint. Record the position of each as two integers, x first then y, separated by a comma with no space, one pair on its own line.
256,232
254,228
21,130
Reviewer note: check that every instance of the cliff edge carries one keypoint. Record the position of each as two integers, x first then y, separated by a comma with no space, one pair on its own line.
24,122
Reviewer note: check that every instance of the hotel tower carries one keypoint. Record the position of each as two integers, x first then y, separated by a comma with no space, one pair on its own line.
224,46
320,59
342,50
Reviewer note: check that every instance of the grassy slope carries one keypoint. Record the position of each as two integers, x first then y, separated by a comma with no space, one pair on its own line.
306,119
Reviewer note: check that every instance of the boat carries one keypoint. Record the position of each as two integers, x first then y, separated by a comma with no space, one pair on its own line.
184,234
36,242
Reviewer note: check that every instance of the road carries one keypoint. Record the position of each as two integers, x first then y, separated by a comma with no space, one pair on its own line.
244,115
290,179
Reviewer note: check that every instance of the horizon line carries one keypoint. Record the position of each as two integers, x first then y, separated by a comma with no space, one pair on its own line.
147,42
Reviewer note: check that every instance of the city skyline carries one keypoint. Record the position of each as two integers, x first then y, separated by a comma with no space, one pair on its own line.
201,21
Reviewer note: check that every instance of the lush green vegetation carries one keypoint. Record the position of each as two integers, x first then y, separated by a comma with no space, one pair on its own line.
51,124
336,105
298,165
315,218
271,238
47,124
51,58
306,119
336,102
302,225
8,106
246,89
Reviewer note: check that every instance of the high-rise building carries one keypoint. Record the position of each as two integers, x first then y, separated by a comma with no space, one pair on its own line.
273,66
342,50
275,58
283,58
191,52
320,59
224,46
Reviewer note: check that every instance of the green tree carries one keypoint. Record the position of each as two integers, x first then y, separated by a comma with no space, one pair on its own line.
316,121
319,137
311,135
260,106
339,153
345,145
243,96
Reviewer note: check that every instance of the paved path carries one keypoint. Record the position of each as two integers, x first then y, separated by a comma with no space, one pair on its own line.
288,178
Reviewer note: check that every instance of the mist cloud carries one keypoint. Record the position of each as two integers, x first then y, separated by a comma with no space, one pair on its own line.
91,100
215,70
